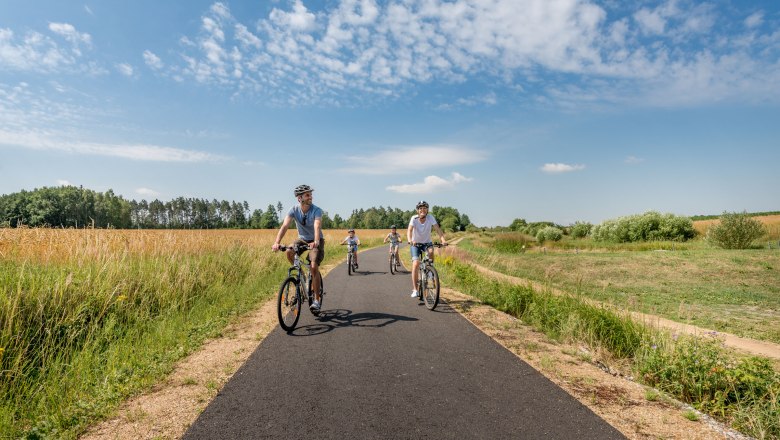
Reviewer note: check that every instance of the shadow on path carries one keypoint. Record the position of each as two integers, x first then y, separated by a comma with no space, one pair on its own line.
332,319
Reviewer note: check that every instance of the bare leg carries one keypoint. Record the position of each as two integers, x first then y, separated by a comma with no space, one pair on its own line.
316,280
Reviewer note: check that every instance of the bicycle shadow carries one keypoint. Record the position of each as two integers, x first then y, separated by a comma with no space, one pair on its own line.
368,272
330,320
443,307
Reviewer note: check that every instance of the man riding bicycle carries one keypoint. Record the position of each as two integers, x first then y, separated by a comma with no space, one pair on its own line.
395,240
308,221
418,235
353,242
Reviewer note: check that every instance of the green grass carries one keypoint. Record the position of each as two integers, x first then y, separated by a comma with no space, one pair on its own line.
744,392
79,337
734,291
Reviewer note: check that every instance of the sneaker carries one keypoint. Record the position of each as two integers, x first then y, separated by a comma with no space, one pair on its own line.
356,266
315,306
415,294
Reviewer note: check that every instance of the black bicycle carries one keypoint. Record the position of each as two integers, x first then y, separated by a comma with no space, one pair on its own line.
428,277
292,292
351,262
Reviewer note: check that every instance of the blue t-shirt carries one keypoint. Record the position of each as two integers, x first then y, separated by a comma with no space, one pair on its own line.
305,222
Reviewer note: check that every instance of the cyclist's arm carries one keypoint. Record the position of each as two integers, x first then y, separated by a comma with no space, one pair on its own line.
282,231
357,241
441,233
409,233
317,231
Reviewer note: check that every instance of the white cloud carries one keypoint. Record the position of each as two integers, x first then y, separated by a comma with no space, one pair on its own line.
69,32
299,19
63,182
89,11
152,60
557,168
125,69
634,160
146,192
357,50
431,184
406,159
755,19
141,152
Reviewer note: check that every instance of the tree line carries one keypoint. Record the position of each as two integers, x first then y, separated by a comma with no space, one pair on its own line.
78,207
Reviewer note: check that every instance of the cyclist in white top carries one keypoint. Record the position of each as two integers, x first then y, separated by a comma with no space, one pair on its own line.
419,234
395,240
353,242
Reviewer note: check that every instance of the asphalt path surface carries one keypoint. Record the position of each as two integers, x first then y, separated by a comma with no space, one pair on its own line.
378,364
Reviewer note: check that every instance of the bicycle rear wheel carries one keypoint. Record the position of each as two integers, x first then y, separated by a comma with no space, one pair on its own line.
288,304
431,288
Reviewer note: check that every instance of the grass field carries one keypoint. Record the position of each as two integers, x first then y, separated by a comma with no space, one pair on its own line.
90,317
735,291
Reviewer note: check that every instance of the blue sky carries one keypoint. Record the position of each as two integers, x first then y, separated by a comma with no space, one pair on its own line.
559,110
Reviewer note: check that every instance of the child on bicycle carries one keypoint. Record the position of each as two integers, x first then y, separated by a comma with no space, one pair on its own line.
395,240
353,242
419,233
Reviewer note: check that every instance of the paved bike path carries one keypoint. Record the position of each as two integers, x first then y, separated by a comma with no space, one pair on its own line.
378,364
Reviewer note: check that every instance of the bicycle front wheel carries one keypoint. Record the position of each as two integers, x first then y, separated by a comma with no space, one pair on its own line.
431,289
392,264
349,264
288,304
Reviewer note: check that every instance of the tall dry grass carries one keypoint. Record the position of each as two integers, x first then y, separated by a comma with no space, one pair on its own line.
88,317
771,223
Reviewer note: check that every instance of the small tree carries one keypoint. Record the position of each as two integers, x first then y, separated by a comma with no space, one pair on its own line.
735,231
580,229
549,234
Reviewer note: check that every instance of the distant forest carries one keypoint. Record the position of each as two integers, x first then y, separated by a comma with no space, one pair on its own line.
76,207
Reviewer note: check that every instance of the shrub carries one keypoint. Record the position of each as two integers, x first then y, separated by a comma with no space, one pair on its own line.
649,226
549,233
735,231
580,229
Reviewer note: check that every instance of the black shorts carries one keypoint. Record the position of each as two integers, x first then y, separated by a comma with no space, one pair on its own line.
316,255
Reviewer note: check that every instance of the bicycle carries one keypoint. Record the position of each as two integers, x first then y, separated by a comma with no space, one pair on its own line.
394,258
292,294
351,264
428,278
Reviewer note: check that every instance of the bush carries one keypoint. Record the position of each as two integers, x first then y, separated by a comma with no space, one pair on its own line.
650,226
735,231
580,229
549,233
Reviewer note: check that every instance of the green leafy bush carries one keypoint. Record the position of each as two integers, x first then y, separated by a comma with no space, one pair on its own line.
549,233
580,229
650,226
735,231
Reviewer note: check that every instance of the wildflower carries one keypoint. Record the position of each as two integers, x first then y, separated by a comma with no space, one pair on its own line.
654,347
121,298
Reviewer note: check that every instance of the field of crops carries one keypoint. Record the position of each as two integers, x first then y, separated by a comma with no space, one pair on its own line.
88,317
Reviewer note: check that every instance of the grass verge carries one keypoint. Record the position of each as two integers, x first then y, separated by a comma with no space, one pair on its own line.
744,393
